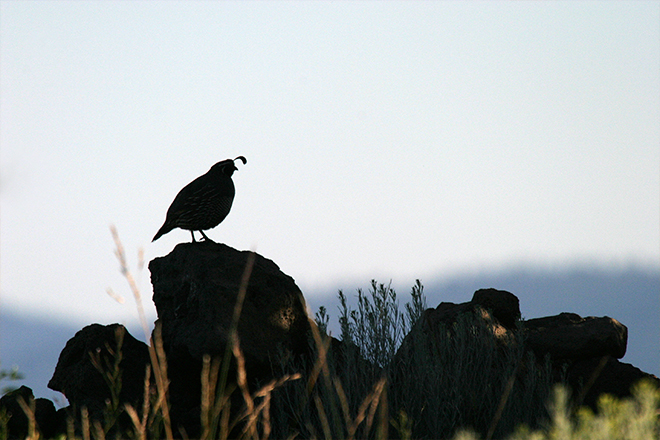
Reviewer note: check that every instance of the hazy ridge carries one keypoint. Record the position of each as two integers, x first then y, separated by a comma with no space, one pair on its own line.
630,295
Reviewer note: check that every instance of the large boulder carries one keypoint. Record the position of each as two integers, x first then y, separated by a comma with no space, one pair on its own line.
569,336
18,426
196,288
503,305
93,350
195,291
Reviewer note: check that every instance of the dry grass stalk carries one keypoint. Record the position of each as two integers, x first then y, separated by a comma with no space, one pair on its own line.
29,409
325,425
100,433
140,424
369,403
156,352
85,423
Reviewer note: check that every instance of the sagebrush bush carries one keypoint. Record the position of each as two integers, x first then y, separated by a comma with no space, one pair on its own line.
463,377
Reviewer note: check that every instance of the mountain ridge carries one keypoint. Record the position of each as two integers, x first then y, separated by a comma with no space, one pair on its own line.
630,295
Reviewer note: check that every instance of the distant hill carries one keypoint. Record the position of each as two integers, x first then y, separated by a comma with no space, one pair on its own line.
630,295
33,346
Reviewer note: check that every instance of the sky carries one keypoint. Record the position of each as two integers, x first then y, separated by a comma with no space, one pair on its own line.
387,140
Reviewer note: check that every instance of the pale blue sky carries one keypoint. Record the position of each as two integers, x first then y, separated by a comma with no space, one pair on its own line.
389,140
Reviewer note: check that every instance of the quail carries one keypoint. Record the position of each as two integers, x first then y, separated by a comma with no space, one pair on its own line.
203,203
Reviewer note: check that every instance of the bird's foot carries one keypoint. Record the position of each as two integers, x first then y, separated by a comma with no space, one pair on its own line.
205,237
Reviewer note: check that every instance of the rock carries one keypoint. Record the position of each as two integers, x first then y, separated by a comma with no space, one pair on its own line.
81,382
18,425
582,351
504,305
594,377
569,336
458,358
447,314
195,292
195,289
496,309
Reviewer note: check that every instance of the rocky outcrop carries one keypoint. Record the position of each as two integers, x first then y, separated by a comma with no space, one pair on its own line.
196,290
102,363
569,336
504,305
496,309
583,351
483,350
461,357
95,348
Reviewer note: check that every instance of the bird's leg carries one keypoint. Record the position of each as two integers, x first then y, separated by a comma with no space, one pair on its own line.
193,236
205,237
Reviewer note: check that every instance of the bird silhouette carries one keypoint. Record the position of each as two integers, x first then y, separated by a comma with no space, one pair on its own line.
203,203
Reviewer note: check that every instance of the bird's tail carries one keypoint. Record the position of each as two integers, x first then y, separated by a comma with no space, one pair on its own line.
162,231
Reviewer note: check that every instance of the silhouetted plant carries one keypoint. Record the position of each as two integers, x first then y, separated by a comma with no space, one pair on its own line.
11,375
377,327
109,368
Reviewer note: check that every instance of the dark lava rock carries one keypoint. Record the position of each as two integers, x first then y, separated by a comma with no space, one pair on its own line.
80,380
196,288
18,425
569,336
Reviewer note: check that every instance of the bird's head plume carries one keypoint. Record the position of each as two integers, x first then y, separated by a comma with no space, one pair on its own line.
228,166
